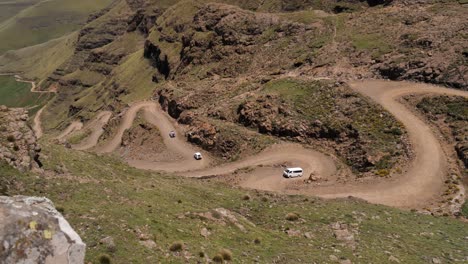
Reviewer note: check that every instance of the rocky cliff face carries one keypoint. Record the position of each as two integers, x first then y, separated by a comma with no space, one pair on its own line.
18,146
227,41
33,231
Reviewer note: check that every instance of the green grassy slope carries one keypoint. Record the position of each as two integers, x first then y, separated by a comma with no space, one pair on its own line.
39,61
44,21
18,94
102,197
9,8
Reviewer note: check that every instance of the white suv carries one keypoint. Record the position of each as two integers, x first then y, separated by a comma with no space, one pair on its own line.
197,156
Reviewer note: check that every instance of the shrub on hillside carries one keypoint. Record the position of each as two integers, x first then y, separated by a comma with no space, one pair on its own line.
218,258
226,254
292,217
464,209
105,259
176,246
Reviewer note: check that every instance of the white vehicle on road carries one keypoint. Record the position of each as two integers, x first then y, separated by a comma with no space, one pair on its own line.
197,156
172,134
293,172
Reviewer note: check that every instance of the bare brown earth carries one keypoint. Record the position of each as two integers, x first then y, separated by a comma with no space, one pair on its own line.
96,131
418,186
74,126
37,127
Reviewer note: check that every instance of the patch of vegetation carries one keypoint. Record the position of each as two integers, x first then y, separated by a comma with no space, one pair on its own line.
226,254
455,108
176,246
105,259
383,172
104,189
305,17
79,136
18,94
292,217
450,111
375,43
218,258
464,209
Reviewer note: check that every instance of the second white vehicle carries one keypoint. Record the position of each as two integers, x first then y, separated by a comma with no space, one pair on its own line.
197,156
293,172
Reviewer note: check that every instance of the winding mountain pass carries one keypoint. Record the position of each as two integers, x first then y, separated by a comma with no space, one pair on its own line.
421,183
96,127
36,126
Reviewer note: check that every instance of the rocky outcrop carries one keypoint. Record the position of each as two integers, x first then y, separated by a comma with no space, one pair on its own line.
157,58
33,231
202,133
143,20
462,151
87,54
18,146
174,107
272,116
424,70
231,39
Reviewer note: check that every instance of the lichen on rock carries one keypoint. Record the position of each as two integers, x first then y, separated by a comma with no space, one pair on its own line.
33,231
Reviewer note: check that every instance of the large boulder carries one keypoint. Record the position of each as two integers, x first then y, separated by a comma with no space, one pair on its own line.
33,231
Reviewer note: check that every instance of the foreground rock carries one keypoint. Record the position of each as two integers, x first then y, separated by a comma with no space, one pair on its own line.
33,231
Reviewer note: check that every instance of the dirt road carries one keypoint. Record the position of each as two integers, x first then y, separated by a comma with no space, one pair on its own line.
96,128
421,183
37,126
154,115
73,127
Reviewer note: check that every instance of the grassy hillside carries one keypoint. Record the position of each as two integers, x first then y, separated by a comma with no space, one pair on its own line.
39,61
18,94
148,214
44,21
9,8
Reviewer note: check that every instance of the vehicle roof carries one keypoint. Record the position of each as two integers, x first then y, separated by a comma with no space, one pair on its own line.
297,168
197,153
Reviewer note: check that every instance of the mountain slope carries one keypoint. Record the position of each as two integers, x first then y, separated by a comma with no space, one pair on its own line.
135,48
45,20
11,8
146,214
236,77
39,61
